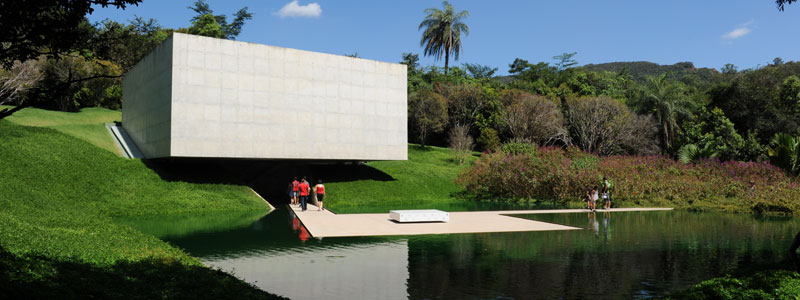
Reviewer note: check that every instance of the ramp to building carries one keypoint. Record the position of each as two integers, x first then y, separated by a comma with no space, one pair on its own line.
123,141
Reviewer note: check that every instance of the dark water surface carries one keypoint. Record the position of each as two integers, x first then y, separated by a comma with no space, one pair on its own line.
617,256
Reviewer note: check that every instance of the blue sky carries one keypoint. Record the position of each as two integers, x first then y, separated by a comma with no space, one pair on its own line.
709,33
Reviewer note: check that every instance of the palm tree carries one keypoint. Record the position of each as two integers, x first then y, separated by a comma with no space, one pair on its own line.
668,102
442,35
784,152
691,153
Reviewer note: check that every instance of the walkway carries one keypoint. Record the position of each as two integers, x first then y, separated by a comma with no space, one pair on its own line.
327,224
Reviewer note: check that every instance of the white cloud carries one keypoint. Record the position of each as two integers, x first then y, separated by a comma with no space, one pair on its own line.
740,31
294,9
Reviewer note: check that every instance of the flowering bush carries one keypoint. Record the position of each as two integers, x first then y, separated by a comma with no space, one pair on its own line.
553,174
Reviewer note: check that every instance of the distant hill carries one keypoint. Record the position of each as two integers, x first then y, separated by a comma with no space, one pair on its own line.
640,69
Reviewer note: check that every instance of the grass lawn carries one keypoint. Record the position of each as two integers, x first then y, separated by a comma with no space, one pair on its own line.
426,180
58,197
88,124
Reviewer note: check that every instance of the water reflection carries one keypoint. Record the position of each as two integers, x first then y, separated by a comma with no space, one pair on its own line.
618,255
365,271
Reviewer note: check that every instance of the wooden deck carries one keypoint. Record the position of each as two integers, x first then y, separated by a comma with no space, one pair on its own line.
327,224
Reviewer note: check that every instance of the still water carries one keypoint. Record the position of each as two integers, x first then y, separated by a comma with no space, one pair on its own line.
616,256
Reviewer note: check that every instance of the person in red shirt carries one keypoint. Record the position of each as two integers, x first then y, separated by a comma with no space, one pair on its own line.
320,190
295,191
304,193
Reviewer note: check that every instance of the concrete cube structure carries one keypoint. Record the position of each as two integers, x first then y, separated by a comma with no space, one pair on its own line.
197,96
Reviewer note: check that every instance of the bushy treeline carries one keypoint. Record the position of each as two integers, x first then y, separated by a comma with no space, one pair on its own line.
729,115
562,176
89,76
87,69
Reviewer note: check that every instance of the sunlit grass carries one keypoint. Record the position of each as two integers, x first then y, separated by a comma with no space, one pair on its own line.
425,180
88,124
58,194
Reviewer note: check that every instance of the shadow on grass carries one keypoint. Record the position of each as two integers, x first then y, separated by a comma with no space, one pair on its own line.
269,178
39,277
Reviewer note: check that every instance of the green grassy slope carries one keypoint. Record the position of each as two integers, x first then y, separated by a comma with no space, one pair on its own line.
58,195
88,124
425,180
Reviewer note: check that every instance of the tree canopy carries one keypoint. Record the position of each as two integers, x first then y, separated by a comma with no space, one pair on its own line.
782,3
442,34
46,27
202,23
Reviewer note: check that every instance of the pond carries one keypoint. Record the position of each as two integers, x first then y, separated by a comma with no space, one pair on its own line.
617,255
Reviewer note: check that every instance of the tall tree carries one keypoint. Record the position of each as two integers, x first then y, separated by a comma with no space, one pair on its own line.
668,102
599,124
428,113
229,30
206,25
535,119
782,3
46,27
479,71
565,60
411,60
442,35
125,45
15,82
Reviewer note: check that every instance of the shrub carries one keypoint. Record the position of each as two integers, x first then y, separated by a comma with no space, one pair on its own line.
562,176
599,124
461,142
489,139
777,284
513,148
535,119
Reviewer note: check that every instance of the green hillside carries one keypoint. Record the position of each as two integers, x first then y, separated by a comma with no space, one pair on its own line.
58,195
88,124
425,180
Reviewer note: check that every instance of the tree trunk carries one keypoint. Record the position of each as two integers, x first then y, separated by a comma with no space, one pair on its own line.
8,111
422,134
446,61
666,139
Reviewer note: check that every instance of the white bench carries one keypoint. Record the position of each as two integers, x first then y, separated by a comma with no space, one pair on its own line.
419,215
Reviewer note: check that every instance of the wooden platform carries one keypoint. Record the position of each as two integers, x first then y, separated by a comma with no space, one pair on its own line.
327,224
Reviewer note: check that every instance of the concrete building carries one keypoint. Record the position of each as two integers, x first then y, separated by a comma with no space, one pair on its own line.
197,96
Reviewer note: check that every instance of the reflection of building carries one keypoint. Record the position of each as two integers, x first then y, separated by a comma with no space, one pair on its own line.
358,271
196,96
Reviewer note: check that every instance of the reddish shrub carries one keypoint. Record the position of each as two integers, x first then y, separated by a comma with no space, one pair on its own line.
552,174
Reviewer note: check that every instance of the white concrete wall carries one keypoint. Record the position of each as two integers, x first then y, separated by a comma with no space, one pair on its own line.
147,101
244,100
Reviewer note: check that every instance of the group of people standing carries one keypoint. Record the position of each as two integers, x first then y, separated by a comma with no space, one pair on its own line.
299,192
593,195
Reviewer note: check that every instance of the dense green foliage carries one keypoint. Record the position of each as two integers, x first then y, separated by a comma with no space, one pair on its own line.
640,70
31,28
733,114
763,101
85,67
57,214
551,174
219,23
780,284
